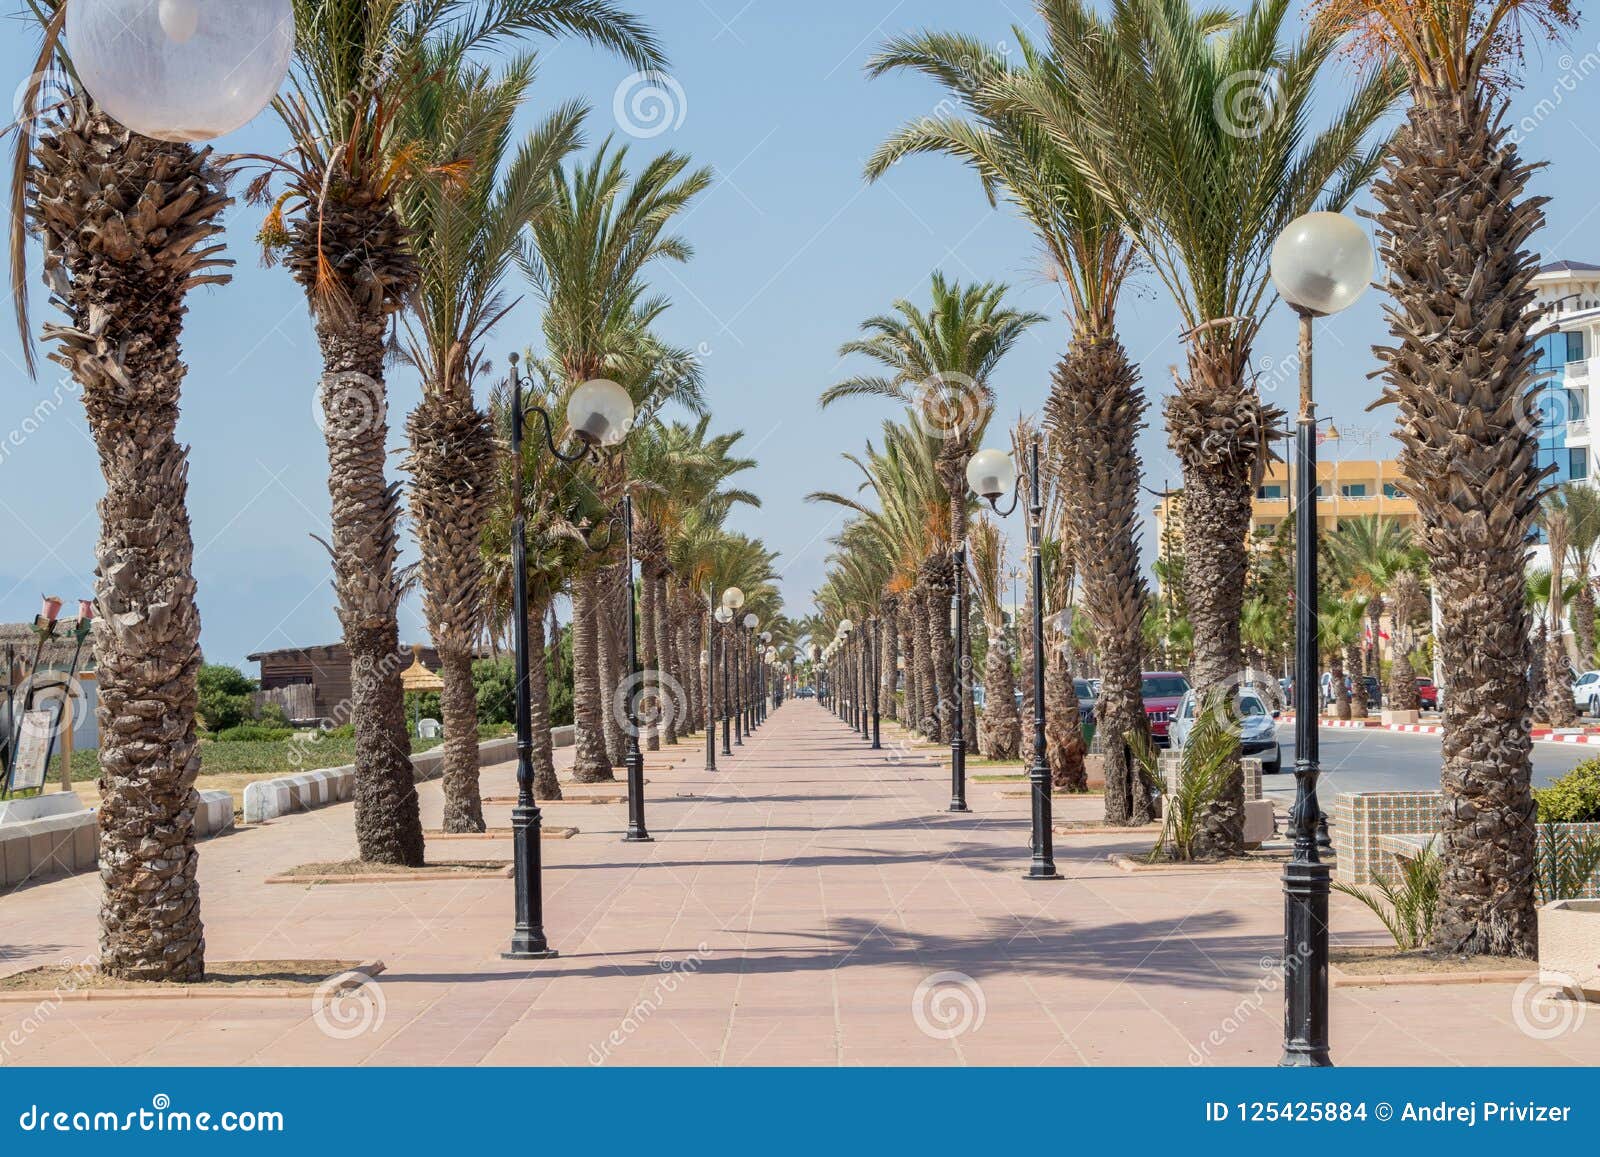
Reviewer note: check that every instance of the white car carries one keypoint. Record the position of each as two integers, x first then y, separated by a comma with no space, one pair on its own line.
1586,692
1255,725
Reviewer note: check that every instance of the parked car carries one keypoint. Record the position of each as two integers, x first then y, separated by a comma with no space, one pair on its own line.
1086,697
1586,692
1255,725
805,693
1374,691
1427,694
1161,691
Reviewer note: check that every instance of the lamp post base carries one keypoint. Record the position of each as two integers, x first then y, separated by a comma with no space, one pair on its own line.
516,953
1305,964
1032,874
638,838
958,806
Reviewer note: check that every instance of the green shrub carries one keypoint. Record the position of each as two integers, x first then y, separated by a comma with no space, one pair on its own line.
271,715
423,705
1408,906
225,696
496,688
1572,799
250,733
1565,864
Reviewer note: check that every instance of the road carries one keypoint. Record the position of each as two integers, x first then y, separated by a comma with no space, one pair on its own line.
1378,760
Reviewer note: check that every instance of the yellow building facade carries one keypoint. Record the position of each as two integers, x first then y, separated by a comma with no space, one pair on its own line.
1345,490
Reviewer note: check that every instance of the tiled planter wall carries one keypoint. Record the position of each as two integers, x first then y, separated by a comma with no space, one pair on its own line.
1361,818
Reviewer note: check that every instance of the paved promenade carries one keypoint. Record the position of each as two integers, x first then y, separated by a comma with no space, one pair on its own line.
811,903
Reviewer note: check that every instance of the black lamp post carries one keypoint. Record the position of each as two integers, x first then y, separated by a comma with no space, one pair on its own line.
710,661
1320,265
991,473
724,616
599,414
958,741
637,833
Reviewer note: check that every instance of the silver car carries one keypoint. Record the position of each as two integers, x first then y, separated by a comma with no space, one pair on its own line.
1255,725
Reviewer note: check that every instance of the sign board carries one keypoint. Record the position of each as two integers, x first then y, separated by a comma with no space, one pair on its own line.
33,746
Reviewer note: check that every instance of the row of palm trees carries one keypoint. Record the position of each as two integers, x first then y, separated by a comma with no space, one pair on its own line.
1182,140
404,206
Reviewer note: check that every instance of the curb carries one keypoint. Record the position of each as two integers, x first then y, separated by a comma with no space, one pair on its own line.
339,982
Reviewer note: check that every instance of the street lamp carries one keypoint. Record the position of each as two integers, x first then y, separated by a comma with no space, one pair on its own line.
761,703
846,627
602,422
708,659
991,473
528,939
1321,264
181,70
724,616
748,659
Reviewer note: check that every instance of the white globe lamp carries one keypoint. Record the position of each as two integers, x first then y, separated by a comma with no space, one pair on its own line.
1322,263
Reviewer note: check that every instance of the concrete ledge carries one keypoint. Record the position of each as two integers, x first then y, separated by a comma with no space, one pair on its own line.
214,815
267,799
57,803
58,845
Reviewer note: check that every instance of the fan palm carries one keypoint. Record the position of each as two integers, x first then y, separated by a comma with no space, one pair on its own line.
1196,132
464,227
1454,226
358,65
126,225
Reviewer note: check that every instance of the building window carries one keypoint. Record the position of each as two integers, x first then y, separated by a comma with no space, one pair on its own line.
1353,490
1390,490
1271,493
1320,492
1578,462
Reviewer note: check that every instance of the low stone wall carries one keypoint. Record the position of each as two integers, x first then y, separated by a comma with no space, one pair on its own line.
267,799
1362,820
63,843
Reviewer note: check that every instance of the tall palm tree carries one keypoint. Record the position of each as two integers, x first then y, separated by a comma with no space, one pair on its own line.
1096,407
127,226
336,225
465,227
1581,502
1454,226
1407,601
940,363
586,265
1558,707
1366,554
1204,188
1338,632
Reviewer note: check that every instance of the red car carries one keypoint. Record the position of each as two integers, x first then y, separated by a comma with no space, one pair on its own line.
1161,691
1427,694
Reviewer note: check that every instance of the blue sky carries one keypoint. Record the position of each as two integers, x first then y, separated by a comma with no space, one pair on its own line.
793,249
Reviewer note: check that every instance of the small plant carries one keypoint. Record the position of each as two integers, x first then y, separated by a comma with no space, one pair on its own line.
250,733
1406,906
1207,764
1572,799
1566,863
271,715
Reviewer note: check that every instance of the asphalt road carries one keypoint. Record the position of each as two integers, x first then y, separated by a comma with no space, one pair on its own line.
1377,760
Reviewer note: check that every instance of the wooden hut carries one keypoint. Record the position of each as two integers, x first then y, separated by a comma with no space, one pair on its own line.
325,670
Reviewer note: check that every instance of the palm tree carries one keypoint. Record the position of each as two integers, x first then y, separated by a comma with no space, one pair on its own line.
465,228
1581,502
1367,553
1454,226
127,224
941,363
1407,601
1558,708
586,265
1154,123
1096,407
1338,632
358,65
1000,734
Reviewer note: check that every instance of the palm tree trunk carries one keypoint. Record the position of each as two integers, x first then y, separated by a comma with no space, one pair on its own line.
1536,669
1218,426
1095,412
1358,683
650,657
125,222
611,590
1063,734
1455,227
677,690
458,703
1403,683
365,513
1341,696
928,669
545,783
1583,619
889,655
590,763
1000,734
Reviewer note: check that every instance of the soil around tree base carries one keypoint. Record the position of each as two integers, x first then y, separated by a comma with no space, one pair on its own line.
258,978
1366,966
364,872
546,831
